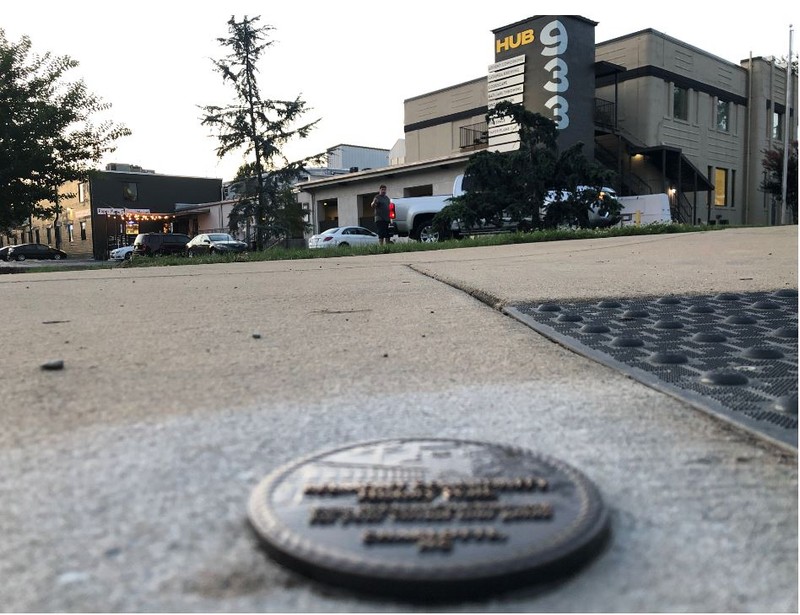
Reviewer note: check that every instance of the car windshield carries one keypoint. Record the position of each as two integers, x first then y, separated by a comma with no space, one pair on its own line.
220,237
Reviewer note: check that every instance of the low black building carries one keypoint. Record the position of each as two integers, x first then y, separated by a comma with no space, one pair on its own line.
125,200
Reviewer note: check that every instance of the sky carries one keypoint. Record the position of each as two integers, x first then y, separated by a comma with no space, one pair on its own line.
353,62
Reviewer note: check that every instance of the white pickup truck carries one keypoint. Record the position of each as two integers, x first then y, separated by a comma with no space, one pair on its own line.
412,216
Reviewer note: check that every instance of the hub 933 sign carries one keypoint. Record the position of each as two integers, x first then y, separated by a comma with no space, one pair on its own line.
558,54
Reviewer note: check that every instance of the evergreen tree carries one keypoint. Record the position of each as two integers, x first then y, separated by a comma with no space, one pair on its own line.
47,137
259,127
503,186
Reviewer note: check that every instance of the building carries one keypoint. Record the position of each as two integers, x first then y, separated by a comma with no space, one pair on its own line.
113,206
356,157
666,116
340,159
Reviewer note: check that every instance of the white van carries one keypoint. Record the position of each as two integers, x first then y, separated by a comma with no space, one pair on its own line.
645,209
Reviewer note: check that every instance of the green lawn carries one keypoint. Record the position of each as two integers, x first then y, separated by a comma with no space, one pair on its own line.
279,253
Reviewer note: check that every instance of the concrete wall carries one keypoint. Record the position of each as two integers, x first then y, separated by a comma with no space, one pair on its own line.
656,64
73,225
768,85
433,121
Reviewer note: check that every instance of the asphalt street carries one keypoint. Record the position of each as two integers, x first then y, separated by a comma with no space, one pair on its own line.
126,473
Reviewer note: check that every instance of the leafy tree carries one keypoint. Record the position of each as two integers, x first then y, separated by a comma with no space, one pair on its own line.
513,185
47,137
773,180
259,127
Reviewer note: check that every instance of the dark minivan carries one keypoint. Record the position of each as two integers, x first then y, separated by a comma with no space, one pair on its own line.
153,244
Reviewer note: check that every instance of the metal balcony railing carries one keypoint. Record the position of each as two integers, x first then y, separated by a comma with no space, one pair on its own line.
604,113
473,136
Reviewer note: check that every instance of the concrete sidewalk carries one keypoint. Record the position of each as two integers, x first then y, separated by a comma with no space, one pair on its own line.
126,474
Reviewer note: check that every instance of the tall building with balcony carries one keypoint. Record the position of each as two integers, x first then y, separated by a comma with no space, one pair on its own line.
666,116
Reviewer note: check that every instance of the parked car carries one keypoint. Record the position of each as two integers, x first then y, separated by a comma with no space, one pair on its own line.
34,250
123,253
597,216
214,243
343,236
159,244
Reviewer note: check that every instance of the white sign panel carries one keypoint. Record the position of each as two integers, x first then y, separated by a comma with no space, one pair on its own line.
507,82
506,92
501,139
506,129
508,63
504,147
515,100
509,72
110,211
500,121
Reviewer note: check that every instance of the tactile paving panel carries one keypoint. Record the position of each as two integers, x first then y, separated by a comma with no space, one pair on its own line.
731,354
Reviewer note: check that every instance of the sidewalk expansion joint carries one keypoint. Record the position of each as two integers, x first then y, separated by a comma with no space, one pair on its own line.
494,302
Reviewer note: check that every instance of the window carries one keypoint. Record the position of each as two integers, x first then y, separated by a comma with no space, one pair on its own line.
777,126
680,103
83,230
425,190
723,115
49,235
82,192
130,192
70,233
720,187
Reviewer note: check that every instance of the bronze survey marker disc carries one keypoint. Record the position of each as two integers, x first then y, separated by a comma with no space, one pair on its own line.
426,518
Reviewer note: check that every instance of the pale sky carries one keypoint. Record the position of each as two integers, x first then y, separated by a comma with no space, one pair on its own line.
354,62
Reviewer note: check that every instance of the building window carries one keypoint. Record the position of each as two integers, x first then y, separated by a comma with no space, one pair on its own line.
49,235
720,187
70,232
723,115
83,230
680,103
777,126
38,240
413,191
82,192
130,192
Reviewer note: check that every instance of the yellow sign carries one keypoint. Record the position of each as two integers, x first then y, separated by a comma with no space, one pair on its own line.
513,41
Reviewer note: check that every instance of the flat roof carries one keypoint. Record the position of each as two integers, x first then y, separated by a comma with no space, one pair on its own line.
399,169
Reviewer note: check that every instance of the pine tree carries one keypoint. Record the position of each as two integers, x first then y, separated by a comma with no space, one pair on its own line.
513,185
258,126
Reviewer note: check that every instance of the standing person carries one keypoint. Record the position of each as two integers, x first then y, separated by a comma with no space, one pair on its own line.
380,205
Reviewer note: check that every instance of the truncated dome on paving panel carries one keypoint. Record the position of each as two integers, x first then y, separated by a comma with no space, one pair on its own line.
429,518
